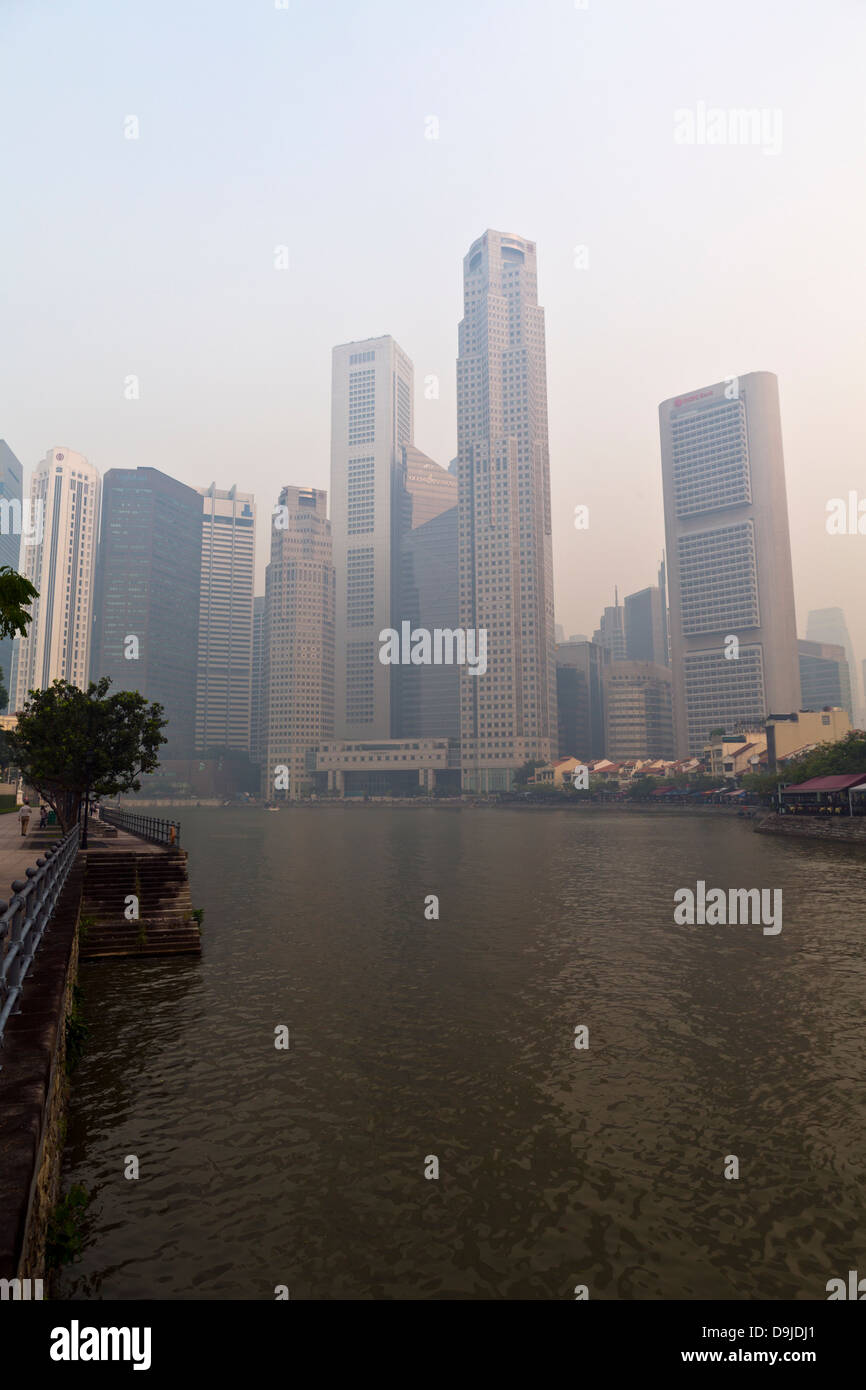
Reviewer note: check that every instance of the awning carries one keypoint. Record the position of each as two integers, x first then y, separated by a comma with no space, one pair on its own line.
839,782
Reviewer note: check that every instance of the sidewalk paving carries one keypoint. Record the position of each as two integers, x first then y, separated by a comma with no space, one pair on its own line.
18,852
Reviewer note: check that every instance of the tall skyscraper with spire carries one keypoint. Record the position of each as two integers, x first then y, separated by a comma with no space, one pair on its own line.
507,715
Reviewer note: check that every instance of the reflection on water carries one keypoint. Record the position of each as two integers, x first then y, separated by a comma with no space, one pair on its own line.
455,1037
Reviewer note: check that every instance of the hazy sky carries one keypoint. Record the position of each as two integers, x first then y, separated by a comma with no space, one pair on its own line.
306,127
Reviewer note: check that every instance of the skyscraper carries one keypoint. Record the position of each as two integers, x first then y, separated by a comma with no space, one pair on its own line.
828,625
64,498
610,632
11,523
298,643
146,599
638,718
257,693
225,641
507,715
425,699
371,421
824,676
732,628
645,621
580,698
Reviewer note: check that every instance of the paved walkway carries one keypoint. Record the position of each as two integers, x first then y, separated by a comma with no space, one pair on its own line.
18,852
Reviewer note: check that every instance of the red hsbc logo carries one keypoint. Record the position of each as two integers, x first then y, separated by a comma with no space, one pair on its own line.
698,396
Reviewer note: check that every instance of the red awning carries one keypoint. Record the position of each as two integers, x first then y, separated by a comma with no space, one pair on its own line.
840,782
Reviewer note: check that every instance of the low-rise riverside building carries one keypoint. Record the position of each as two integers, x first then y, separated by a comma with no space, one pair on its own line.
559,773
389,767
790,735
730,755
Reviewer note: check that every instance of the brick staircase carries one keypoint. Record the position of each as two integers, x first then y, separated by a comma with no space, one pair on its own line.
165,925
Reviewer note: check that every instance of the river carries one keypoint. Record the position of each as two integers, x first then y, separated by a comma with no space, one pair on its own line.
413,1038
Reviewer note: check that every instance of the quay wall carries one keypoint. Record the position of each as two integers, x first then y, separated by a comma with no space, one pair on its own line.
842,829
34,1091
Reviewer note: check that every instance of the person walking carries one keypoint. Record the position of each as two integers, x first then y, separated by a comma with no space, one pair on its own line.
24,814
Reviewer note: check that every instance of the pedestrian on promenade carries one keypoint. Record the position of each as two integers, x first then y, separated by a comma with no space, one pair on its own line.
24,814
43,817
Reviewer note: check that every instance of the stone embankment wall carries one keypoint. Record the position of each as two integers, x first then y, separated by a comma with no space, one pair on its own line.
34,1090
842,829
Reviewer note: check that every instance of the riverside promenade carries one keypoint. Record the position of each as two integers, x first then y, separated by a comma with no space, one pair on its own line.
19,853
89,920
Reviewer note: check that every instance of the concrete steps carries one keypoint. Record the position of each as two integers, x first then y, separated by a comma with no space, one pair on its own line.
165,925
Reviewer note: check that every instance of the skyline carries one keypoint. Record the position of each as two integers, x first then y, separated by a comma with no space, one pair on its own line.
232,355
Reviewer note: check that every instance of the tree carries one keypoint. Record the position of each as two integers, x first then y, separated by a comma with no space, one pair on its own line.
16,594
847,754
522,774
642,788
70,741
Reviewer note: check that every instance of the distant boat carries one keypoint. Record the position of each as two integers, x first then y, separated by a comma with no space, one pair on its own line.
272,808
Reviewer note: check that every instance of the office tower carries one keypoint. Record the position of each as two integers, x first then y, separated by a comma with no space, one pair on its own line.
225,641
580,699
64,502
298,641
429,489
638,710
828,625
257,685
507,715
732,631
824,676
427,698
424,699
558,633
646,625
610,632
371,421
146,595
11,524
578,637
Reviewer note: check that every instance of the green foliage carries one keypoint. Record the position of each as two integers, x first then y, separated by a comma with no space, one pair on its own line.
642,788
65,1240
198,915
848,754
523,774
762,783
16,595
69,739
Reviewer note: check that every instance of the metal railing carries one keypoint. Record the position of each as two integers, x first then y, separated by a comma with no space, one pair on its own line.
24,918
162,832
